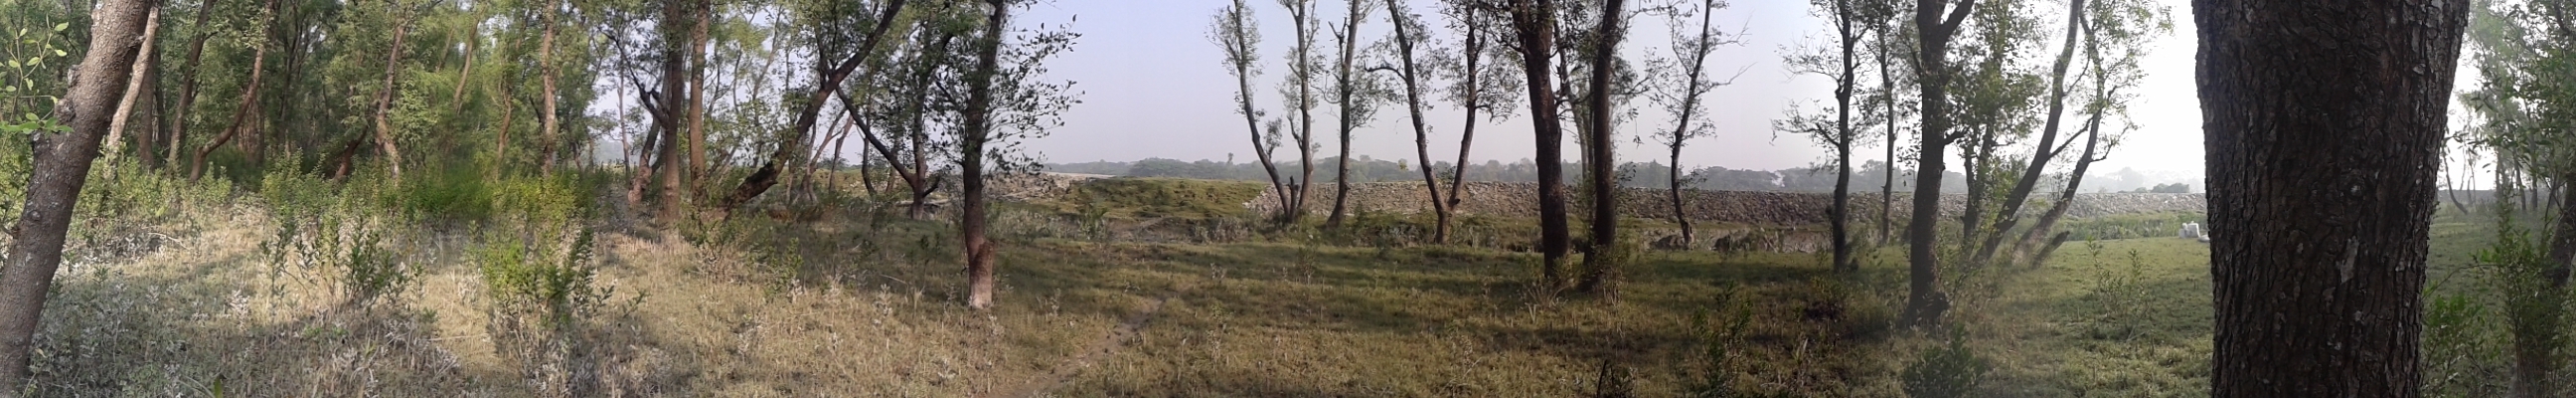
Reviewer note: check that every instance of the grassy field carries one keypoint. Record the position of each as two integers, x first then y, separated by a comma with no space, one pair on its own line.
1180,301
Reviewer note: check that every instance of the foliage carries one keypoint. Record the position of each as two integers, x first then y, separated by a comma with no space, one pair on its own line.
337,231
1949,370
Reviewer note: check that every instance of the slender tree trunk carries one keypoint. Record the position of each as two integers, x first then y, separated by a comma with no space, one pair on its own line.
2047,150
1534,25
767,175
1404,41
241,112
61,163
2325,125
2066,197
1236,30
546,78
133,87
697,165
1843,136
1350,120
1474,50
1925,303
1302,74
188,88
978,133
1887,97
1601,267
385,103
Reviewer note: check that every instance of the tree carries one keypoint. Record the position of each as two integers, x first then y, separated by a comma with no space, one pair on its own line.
1300,90
1925,303
2524,109
1005,105
830,81
1601,264
2324,125
1408,35
1357,93
1691,48
1479,86
1534,32
62,158
1840,64
1234,33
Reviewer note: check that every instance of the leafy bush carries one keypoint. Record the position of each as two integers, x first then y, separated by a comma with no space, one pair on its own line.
332,230
1716,377
1946,371
535,257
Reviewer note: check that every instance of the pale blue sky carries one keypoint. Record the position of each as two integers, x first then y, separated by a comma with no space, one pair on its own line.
1154,86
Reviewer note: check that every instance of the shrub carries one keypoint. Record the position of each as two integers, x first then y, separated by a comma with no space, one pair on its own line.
1946,371
1716,377
333,231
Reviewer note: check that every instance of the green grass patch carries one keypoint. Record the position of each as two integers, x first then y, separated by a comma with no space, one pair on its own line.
1160,197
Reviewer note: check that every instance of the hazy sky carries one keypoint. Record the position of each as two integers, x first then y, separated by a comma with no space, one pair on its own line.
1153,85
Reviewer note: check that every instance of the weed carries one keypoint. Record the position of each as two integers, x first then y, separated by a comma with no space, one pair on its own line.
1946,371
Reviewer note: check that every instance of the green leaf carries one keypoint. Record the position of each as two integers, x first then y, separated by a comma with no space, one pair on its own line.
13,64
59,53
60,26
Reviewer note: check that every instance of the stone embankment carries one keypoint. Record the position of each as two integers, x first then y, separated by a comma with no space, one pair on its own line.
1749,208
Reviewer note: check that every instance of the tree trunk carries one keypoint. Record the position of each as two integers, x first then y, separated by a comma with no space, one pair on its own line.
1601,266
2047,149
1925,303
1887,86
1691,90
1534,25
1343,75
1241,50
978,132
1840,224
385,103
188,88
697,137
242,110
767,175
1302,74
2325,123
546,78
1404,41
61,163
133,86
1474,48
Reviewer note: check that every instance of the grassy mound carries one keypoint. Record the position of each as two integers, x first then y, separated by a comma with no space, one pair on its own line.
1160,197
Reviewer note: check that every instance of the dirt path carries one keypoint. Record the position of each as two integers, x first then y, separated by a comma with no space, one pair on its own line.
1107,346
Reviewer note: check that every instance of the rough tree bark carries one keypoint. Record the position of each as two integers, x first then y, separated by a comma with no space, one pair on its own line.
2324,126
61,166
546,77
1924,302
977,131
1601,266
1534,28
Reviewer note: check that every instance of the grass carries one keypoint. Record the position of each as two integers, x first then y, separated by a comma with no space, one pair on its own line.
864,302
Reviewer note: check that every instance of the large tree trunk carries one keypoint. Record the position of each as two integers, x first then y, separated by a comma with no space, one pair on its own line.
2535,361
1924,303
2325,123
672,165
1534,25
767,175
697,137
61,166
1601,267
1411,74
970,160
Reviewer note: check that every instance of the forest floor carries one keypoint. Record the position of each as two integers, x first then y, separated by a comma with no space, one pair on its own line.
866,304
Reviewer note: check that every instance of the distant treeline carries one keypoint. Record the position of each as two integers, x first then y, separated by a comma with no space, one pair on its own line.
1867,178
